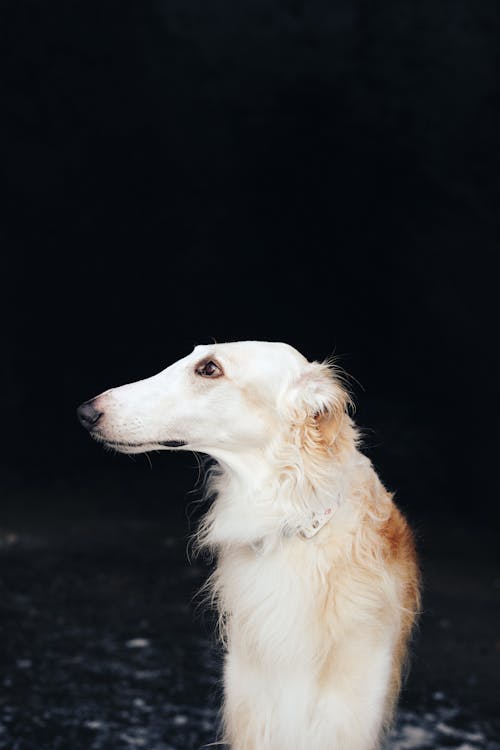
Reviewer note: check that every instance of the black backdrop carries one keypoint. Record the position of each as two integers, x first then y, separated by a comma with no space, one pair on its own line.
321,174
177,171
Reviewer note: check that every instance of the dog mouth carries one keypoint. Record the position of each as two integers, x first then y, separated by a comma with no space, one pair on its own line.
129,447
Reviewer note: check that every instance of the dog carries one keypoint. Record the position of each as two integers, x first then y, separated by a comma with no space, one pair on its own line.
316,582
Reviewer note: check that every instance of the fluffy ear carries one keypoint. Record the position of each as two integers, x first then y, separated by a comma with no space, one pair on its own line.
321,403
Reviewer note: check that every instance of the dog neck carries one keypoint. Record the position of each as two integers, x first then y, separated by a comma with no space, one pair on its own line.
256,506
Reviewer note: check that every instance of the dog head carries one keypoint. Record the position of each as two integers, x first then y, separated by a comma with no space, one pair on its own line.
223,400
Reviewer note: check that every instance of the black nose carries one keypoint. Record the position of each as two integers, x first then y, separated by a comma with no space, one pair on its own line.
88,414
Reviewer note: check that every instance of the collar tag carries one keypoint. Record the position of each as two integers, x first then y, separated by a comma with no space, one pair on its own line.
314,523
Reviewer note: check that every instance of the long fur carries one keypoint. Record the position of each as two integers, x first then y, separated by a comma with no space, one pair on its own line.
316,630
316,581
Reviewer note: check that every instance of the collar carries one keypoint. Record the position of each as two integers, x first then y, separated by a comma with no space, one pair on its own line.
310,523
314,522
304,527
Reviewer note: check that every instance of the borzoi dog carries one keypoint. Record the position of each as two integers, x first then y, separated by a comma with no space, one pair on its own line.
316,582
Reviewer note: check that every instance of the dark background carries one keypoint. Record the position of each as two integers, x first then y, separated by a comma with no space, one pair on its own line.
325,174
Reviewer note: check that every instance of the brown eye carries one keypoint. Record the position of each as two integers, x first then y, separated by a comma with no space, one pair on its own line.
209,369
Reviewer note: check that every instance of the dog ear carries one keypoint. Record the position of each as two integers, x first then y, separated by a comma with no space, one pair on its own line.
322,403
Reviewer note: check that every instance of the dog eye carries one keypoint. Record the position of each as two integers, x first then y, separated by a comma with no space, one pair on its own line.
209,369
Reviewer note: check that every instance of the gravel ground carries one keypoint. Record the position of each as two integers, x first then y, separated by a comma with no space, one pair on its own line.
103,644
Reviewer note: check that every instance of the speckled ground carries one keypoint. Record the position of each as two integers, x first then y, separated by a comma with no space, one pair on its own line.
103,645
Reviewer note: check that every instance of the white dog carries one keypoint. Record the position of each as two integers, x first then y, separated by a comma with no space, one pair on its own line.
316,582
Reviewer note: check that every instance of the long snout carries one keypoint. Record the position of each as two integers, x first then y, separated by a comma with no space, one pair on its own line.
136,417
89,415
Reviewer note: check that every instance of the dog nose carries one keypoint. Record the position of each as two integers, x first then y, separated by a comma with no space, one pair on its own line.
88,414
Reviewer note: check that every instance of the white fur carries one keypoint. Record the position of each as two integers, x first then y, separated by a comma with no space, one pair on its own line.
315,628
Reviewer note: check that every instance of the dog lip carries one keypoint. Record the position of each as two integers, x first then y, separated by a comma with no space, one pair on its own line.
127,445
166,443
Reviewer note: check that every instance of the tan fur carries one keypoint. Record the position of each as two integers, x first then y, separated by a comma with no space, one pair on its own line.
316,583
369,584
382,546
